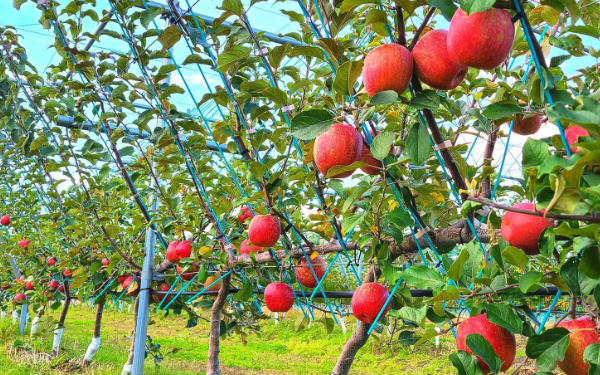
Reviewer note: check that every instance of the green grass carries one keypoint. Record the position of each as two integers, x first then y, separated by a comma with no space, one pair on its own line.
277,350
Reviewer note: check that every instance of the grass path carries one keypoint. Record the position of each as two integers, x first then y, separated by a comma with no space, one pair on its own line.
277,350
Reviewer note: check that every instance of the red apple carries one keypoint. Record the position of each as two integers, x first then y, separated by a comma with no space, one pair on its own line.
121,279
374,167
279,297
503,342
368,300
341,144
264,230
61,289
572,133
20,299
432,63
29,285
192,270
304,273
51,262
105,262
211,279
583,333
5,220
387,67
481,40
53,285
172,255
184,249
527,126
24,243
134,290
67,273
522,230
245,215
246,247
163,287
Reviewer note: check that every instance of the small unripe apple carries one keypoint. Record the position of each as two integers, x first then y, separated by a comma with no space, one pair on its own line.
245,215
279,297
341,144
368,300
51,262
527,126
163,287
264,230
211,279
24,243
184,249
20,299
5,220
387,67
53,285
304,274
172,255
583,333
374,167
433,66
67,273
501,339
29,285
572,133
192,270
481,40
522,230
246,247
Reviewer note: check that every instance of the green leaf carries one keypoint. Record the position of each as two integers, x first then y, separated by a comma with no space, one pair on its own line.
418,145
557,60
407,338
414,315
573,10
349,5
446,7
306,51
535,153
565,115
504,316
548,348
529,279
149,14
423,277
350,222
427,99
380,148
346,76
496,111
384,98
169,37
590,262
484,350
244,294
515,256
455,271
466,363
400,218
428,334
234,6
308,125
591,355
339,169
577,281
474,6
231,56
17,3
